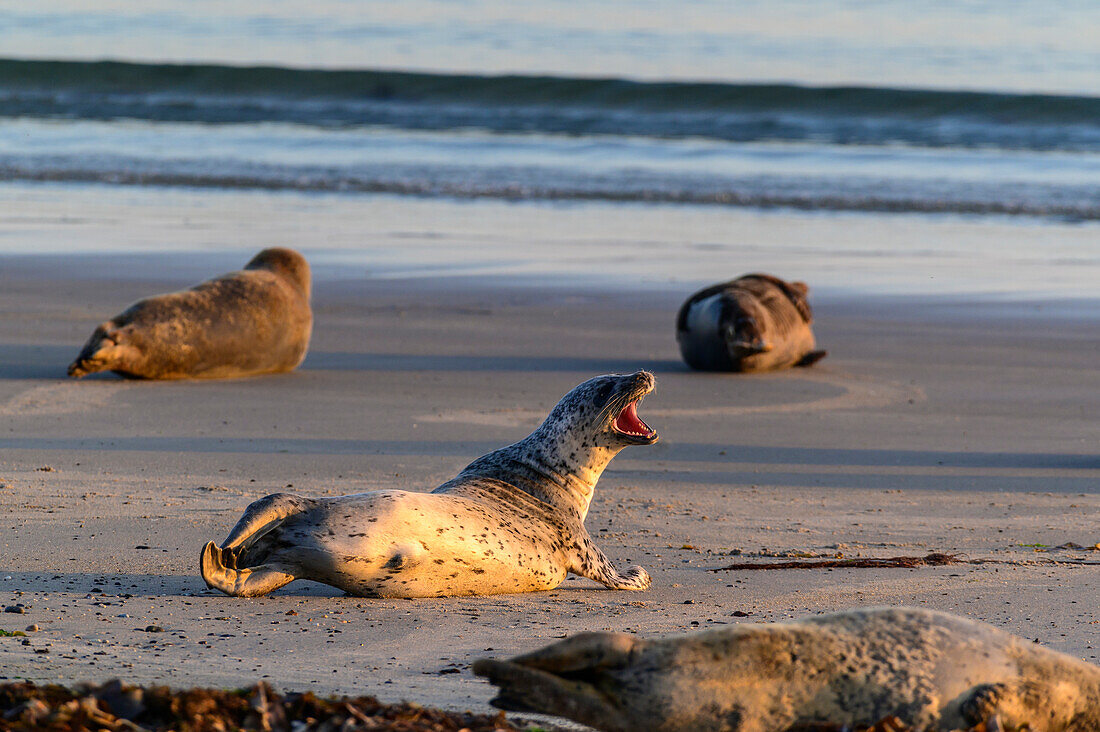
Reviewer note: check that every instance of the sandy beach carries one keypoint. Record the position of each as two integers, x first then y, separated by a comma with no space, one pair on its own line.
934,425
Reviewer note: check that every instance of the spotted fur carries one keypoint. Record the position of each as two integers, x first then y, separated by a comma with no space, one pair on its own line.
753,323
935,671
511,521
254,321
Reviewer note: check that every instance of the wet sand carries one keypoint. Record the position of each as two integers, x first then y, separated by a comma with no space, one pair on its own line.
931,426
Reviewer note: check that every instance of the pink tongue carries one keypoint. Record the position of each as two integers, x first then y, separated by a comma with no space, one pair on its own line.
628,421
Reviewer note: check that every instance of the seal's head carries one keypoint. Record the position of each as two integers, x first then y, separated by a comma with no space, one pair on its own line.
285,263
561,461
603,412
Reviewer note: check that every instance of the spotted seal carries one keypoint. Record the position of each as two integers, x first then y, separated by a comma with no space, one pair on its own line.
511,521
255,321
753,323
932,670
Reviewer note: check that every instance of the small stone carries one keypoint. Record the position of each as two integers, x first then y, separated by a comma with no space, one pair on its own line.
41,650
153,629
32,628
17,609
25,642
740,614
689,602
291,612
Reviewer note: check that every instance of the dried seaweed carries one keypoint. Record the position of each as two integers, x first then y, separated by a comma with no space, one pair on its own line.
117,707
935,559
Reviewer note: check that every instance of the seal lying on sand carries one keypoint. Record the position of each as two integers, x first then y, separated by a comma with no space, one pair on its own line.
753,323
511,521
932,670
256,321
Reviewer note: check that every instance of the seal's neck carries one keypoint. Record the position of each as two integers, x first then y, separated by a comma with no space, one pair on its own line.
555,468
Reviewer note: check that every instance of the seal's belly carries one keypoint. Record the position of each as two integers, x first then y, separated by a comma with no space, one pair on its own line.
702,343
403,544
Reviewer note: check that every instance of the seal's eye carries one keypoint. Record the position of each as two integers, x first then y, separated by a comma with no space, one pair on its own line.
603,395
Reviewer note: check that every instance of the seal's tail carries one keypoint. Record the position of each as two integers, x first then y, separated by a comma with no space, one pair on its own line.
219,565
106,350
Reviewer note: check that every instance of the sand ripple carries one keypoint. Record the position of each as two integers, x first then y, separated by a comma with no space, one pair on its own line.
60,398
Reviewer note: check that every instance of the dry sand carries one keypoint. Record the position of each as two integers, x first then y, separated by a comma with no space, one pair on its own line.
930,427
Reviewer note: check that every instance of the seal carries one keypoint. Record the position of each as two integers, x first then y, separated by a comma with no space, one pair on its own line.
255,321
753,323
511,521
932,670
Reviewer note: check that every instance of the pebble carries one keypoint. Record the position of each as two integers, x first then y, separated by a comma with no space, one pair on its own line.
17,609
32,628
689,602
153,629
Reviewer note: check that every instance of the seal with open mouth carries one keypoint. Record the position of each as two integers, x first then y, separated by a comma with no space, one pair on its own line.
753,323
511,521
255,321
934,671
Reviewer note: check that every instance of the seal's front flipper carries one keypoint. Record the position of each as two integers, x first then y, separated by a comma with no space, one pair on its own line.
595,565
1017,702
106,350
811,358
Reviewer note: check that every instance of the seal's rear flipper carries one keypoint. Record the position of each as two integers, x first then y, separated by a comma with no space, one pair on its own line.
106,350
261,517
220,574
811,358
241,565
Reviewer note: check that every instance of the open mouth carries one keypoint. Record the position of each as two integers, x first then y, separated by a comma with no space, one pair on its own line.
630,425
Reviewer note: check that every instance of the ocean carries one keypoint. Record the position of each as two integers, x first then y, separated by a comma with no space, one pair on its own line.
981,110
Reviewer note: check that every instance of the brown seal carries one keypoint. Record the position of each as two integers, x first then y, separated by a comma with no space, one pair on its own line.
934,671
255,321
753,323
511,521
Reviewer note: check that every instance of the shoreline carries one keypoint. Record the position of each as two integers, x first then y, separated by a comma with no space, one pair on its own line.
121,233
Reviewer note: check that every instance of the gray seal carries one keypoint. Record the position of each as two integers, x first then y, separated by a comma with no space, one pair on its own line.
753,323
934,671
255,321
511,521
